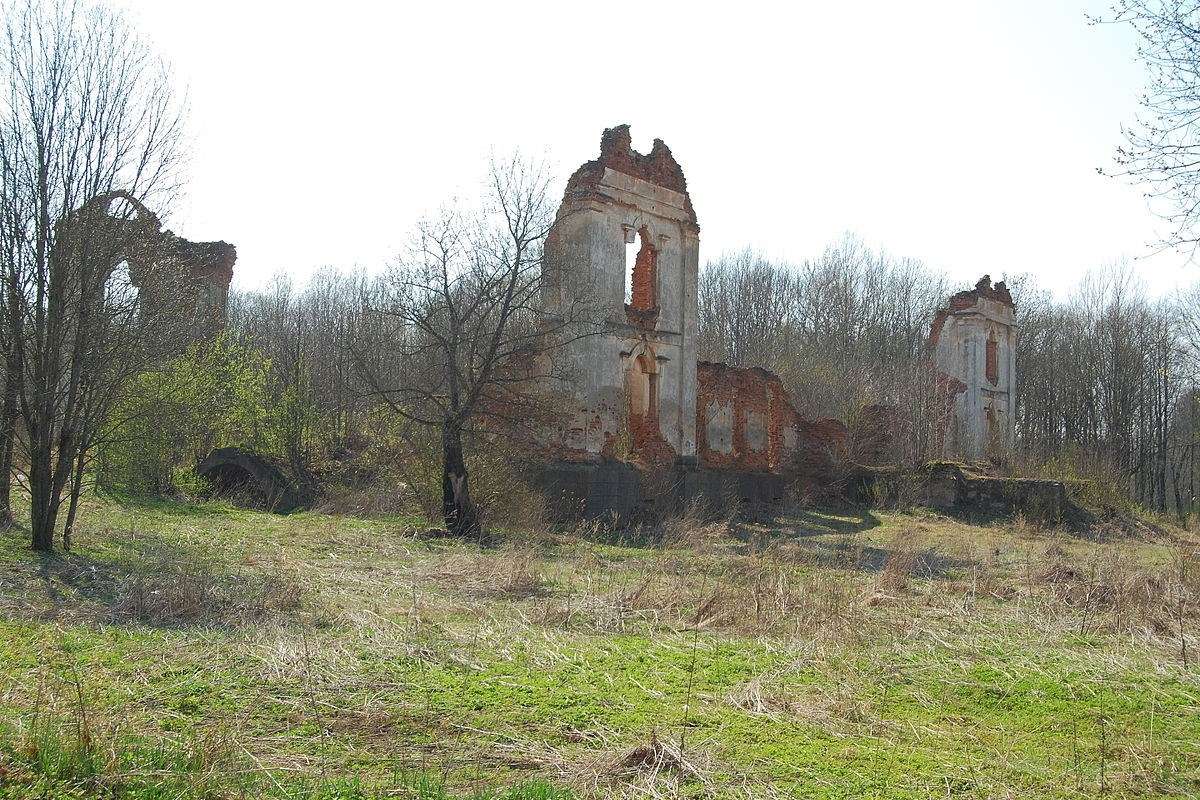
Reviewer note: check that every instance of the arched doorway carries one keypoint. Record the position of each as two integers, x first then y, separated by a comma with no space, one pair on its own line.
641,385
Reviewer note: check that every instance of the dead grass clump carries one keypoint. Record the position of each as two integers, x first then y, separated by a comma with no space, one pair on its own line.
197,594
764,597
697,529
1054,551
811,604
1106,594
1025,527
595,529
904,560
838,712
659,757
659,768
514,572
835,710
756,697
374,500
518,573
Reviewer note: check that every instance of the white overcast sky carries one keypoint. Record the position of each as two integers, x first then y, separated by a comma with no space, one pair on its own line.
965,133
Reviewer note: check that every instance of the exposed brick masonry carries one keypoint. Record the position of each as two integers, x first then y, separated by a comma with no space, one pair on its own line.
616,152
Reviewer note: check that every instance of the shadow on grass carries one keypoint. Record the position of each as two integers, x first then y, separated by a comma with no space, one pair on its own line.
812,523
802,528
803,524
927,563
169,506
142,577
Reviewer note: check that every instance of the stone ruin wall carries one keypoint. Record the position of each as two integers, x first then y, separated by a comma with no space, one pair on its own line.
174,277
746,423
744,420
640,396
634,388
973,339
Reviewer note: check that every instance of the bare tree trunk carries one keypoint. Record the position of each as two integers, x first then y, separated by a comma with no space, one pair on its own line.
73,504
43,501
462,520
9,411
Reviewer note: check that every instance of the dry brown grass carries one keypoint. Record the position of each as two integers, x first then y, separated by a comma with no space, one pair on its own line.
1025,527
513,571
197,595
383,499
832,616
1104,592
903,561
698,530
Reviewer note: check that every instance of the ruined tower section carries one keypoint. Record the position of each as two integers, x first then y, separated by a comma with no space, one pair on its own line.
626,244
205,270
974,344
176,279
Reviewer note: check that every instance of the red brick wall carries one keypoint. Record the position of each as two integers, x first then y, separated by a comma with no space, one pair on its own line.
649,446
644,278
746,391
992,362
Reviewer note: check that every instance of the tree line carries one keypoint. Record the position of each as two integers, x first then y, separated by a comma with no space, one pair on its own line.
1106,384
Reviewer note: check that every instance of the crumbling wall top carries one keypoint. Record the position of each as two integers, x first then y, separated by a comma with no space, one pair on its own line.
969,299
658,167
724,373
211,260
137,234
984,290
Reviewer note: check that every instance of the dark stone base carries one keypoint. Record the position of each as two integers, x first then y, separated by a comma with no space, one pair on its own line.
625,493
954,489
246,475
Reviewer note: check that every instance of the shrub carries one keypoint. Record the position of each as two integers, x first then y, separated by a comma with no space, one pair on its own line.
218,394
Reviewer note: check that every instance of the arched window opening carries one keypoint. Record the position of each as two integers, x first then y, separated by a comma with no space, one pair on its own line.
121,294
122,208
641,268
643,386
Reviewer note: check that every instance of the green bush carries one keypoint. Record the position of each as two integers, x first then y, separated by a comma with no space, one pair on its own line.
218,394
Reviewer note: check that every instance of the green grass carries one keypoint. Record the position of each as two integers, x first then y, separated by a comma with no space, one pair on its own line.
207,651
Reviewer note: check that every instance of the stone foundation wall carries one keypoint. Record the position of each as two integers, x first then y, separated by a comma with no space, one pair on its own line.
621,491
955,489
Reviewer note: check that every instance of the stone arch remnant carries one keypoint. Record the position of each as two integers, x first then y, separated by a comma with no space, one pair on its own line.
247,476
175,278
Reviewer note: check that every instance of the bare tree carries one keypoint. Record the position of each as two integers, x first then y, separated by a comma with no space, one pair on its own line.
1162,146
468,343
89,130
844,331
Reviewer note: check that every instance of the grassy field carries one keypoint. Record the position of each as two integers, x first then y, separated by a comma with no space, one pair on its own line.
188,651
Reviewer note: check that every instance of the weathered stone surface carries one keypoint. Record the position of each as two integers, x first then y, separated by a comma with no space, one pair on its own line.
237,472
639,394
637,382
624,493
974,345
175,278
956,489
745,419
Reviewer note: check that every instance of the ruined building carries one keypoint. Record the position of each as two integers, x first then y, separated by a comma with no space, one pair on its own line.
175,278
627,235
974,344
639,380
627,230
